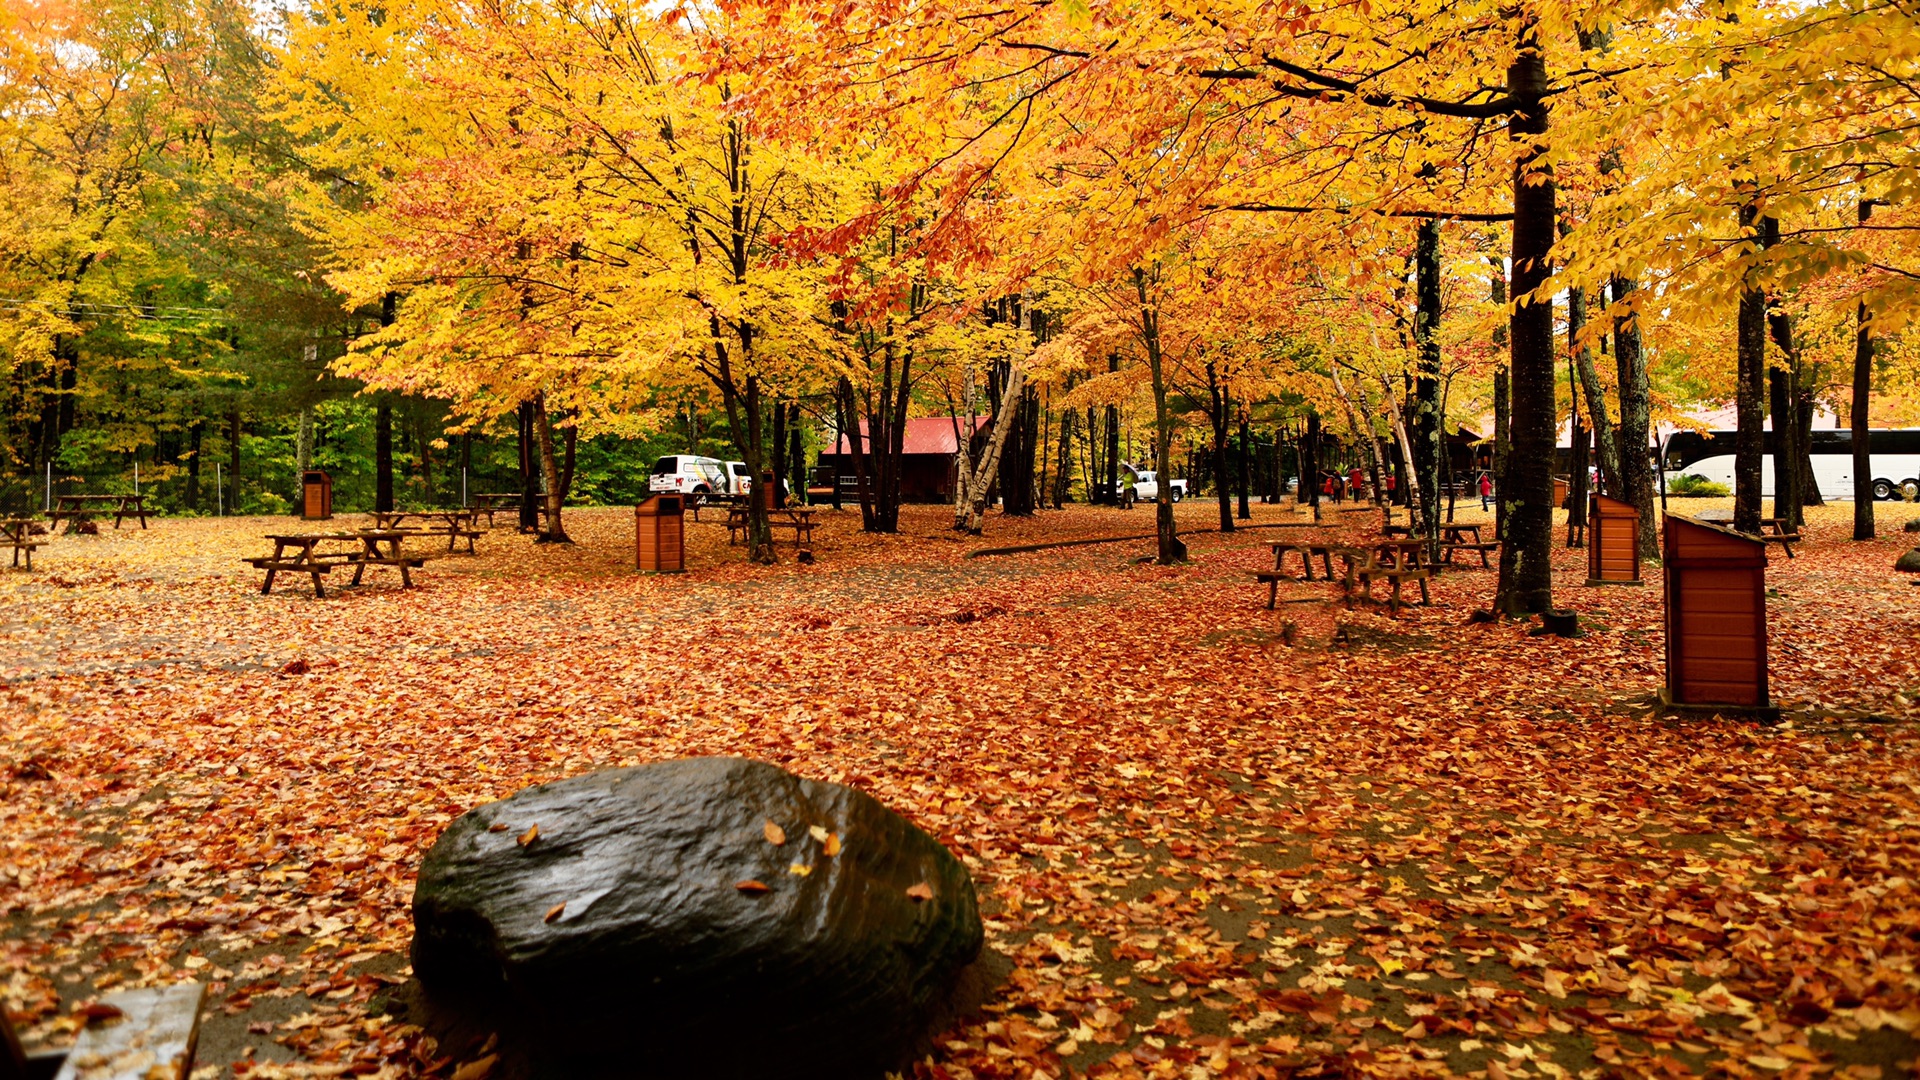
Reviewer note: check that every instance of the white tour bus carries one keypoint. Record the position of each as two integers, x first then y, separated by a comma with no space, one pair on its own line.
1896,460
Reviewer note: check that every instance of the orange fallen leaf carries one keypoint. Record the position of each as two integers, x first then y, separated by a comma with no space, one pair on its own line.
528,837
100,1010
476,1070
554,911
752,887
799,869
922,891
498,826
832,845
775,834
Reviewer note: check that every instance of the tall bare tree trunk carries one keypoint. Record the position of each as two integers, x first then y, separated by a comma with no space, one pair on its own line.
1171,548
554,533
976,478
1861,412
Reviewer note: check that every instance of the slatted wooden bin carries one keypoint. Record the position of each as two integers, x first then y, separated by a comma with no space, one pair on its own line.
1613,542
659,535
1716,619
1560,492
316,495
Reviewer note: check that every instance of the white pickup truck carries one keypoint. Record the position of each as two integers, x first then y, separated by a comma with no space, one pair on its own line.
1144,486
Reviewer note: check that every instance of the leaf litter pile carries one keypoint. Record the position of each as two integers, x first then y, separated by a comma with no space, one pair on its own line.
1214,840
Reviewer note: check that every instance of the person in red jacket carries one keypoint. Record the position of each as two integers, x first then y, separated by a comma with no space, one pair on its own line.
1486,489
1356,482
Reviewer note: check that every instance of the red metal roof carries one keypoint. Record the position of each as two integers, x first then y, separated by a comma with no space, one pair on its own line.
925,435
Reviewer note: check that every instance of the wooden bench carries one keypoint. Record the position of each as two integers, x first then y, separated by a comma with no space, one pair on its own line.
800,520
1482,548
27,546
1361,570
453,535
146,1034
316,567
406,563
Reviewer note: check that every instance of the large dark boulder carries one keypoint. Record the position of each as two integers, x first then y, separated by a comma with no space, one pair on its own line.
1909,563
644,922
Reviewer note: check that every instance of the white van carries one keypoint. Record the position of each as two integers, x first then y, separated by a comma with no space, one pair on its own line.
690,475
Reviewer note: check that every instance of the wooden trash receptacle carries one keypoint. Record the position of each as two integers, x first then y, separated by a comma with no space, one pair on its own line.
1613,542
1560,493
659,535
1716,619
316,495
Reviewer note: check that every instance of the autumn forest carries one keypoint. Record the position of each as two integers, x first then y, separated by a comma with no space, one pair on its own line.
1232,477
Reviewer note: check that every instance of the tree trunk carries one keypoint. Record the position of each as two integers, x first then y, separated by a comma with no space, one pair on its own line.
193,463
233,461
1750,397
1861,412
1113,439
555,533
1309,485
1636,417
1526,570
976,478
796,456
1786,489
1063,468
1171,549
1610,482
1425,424
1803,406
383,456
529,476
1502,454
779,447
1217,397
1246,468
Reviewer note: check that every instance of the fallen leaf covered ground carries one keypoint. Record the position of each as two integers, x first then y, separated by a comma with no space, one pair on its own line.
1215,840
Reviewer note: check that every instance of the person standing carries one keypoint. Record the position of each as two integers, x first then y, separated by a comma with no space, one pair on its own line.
1356,482
1486,490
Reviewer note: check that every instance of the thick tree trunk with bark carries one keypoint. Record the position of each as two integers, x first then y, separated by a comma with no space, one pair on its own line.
1750,393
555,532
1526,572
1425,425
1502,454
529,476
1636,417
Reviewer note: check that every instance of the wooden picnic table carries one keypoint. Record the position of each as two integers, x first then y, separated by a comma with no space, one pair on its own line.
797,518
1458,533
306,558
453,524
1400,554
74,509
17,533
1775,530
493,502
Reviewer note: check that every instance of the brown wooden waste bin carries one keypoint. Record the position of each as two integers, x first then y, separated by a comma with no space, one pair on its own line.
1613,543
316,495
659,535
1716,619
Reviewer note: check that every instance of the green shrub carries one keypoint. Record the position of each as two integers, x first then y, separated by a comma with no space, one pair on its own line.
1693,484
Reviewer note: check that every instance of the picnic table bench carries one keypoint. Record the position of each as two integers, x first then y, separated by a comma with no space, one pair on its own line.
797,518
493,502
76,509
1307,549
17,533
1362,567
300,554
1775,530
143,1035
1453,538
453,524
